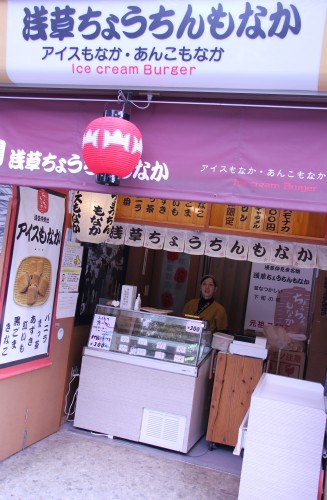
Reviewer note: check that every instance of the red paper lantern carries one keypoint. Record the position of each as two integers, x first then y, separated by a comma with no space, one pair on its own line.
112,147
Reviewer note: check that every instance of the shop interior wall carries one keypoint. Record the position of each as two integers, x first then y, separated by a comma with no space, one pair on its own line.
144,271
139,272
233,278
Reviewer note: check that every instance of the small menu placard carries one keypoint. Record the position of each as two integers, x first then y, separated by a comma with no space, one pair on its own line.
101,332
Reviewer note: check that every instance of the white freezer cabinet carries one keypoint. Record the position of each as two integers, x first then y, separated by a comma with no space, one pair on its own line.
147,380
284,440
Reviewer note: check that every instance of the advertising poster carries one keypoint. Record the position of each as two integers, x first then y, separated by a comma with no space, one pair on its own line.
70,273
279,295
28,310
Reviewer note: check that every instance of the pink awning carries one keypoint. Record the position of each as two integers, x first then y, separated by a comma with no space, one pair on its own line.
265,157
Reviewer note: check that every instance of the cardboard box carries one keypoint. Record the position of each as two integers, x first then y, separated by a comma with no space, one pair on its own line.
128,296
291,363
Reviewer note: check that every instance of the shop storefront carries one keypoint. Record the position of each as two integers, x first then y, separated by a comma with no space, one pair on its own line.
245,162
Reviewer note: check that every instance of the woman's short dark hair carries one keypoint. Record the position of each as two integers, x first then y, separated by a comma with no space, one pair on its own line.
206,276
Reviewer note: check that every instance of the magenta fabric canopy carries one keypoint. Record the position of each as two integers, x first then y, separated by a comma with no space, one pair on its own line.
252,156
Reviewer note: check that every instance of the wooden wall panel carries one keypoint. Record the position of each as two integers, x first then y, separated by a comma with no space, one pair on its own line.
227,217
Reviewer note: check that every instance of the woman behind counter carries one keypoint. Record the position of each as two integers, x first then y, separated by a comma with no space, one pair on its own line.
207,307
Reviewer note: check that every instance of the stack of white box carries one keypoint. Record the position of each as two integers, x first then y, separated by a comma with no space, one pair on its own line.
284,440
128,296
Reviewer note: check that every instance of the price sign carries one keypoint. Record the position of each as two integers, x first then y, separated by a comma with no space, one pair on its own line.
140,352
142,342
159,355
124,338
161,345
181,349
178,358
101,332
193,327
123,348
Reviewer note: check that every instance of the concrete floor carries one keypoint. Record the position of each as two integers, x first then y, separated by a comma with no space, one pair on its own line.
74,464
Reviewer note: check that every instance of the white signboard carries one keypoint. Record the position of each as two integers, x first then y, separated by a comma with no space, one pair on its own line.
101,332
272,46
27,314
278,295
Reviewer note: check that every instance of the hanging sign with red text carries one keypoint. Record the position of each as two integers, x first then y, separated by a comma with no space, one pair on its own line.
232,45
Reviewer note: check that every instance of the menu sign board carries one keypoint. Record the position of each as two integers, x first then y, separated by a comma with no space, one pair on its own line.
28,309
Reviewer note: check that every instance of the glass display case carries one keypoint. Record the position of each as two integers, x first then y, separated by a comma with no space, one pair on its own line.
145,377
162,337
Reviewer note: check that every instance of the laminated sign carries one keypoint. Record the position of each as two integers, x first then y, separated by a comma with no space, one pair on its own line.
31,284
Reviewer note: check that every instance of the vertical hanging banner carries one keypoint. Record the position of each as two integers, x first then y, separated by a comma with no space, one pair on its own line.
173,281
32,276
92,216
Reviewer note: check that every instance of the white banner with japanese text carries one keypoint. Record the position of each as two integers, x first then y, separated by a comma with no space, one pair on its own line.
194,243
28,309
237,248
231,45
154,237
134,236
260,250
257,250
216,245
174,240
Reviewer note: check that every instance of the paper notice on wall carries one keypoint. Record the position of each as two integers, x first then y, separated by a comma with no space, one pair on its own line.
71,267
66,305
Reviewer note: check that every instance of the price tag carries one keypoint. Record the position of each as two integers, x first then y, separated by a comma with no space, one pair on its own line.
193,327
141,352
161,345
159,355
142,342
124,338
123,348
181,349
101,332
98,345
178,358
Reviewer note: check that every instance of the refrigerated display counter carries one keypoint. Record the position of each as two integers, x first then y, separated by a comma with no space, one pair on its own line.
145,377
